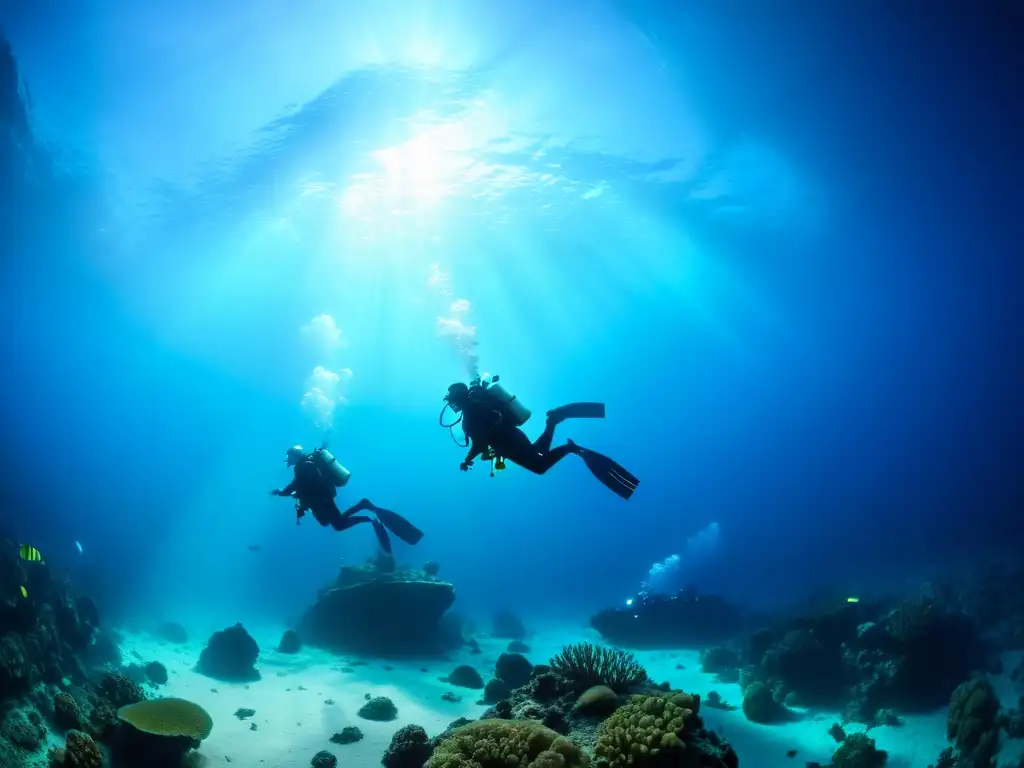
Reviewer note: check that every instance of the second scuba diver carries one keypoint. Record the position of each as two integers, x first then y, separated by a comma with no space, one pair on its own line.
318,475
491,420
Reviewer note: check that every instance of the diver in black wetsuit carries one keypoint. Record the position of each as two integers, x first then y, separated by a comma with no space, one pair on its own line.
491,425
315,492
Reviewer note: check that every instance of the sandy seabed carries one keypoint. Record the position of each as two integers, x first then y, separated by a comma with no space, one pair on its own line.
303,699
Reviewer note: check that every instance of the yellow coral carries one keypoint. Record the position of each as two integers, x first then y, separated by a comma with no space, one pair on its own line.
168,717
506,744
645,732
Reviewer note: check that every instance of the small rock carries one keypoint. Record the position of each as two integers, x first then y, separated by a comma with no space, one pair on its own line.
324,759
452,697
243,713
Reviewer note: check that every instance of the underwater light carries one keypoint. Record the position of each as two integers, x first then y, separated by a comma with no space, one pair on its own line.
853,599
629,601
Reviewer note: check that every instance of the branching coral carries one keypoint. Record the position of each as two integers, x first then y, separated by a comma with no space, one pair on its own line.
586,665
506,744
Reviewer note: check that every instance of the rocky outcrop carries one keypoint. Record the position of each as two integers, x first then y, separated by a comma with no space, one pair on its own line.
388,613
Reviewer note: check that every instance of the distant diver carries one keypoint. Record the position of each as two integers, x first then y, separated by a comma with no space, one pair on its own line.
491,419
318,475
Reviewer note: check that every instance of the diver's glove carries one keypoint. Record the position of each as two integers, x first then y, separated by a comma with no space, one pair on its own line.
465,466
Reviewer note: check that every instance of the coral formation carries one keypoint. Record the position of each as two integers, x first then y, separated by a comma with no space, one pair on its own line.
496,690
66,714
80,751
721,661
409,748
505,744
859,751
324,759
586,665
464,676
514,669
599,700
350,734
760,706
972,723
230,655
168,717
156,673
380,708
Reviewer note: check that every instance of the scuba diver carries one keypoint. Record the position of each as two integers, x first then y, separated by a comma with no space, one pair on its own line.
491,419
318,475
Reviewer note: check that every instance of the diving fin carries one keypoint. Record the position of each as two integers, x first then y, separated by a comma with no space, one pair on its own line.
399,526
382,536
611,474
576,411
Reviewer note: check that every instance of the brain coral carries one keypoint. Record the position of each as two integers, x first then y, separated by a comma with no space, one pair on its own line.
168,717
646,731
506,744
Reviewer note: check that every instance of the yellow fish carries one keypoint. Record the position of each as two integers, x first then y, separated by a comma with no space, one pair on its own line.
24,592
30,553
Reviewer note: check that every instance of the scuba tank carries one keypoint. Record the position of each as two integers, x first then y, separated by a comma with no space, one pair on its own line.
511,406
331,468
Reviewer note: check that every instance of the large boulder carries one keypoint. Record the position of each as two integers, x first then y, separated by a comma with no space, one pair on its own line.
395,613
230,655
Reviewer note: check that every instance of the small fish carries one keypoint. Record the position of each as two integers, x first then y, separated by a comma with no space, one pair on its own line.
791,753
853,599
30,553
24,593
78,545
254,547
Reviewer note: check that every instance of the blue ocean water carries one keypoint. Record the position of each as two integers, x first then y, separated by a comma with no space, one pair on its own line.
781,245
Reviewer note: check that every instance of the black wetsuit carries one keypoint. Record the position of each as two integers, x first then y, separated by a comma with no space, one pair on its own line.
486,427
317,494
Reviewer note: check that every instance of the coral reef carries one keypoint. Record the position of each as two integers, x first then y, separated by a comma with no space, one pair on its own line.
47,634
587,665
230,655
874,659
347,615
504,744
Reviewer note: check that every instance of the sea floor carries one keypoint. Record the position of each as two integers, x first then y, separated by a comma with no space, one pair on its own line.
303,699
